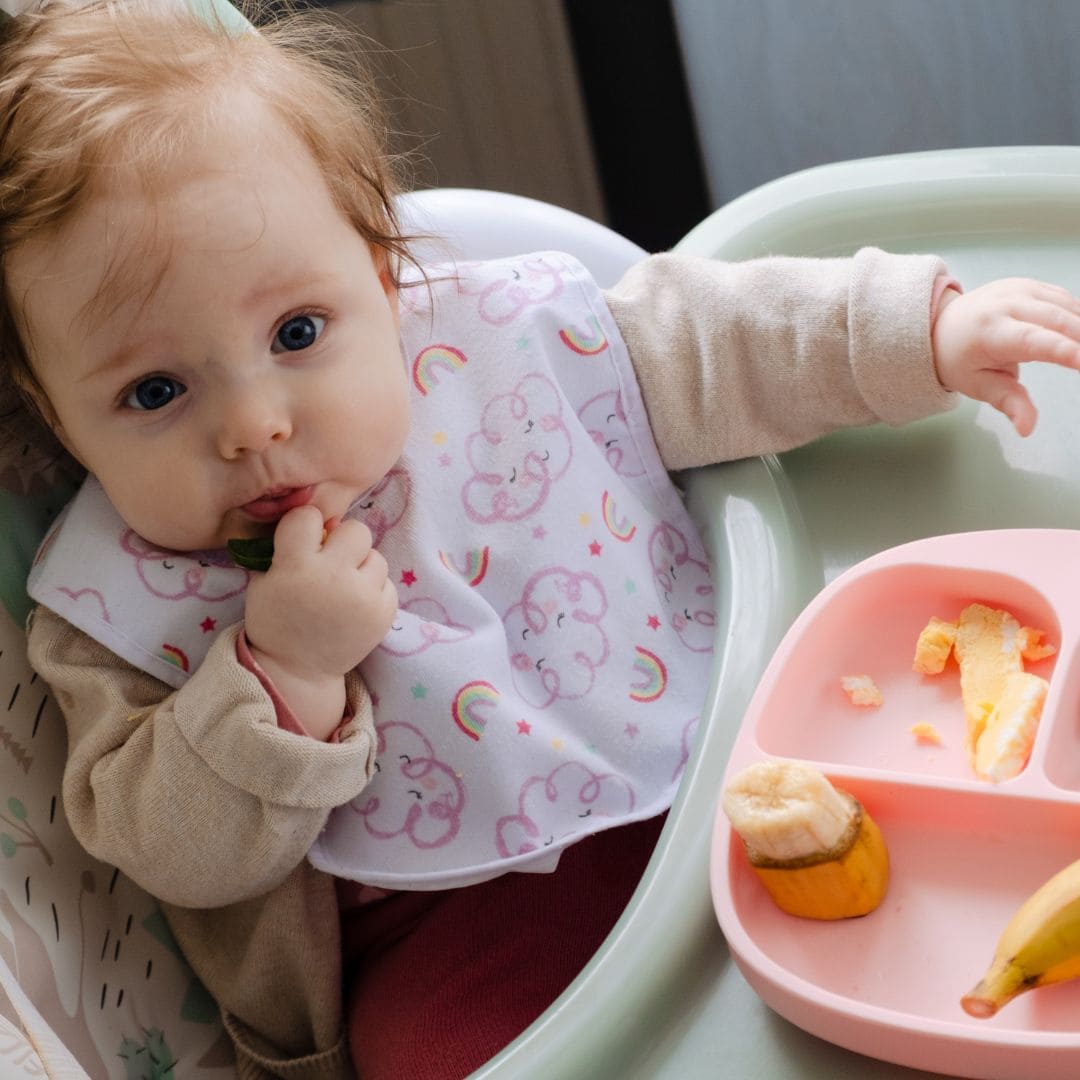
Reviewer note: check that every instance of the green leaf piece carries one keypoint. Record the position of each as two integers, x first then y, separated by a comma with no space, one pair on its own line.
17,809
7,845
254,554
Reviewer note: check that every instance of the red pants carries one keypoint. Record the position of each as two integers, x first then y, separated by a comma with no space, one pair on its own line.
439,982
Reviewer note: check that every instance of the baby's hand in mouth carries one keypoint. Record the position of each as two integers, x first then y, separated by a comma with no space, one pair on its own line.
257,553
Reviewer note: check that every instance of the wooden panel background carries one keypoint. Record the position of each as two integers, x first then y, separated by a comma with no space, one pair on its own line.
487,93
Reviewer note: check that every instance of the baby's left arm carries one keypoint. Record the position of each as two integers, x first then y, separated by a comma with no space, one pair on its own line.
980,339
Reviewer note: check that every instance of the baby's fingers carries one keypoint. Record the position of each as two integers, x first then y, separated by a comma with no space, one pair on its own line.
380,597
388,602
1055,294
1040,343
298,532
1043,312
351,540
1009,397
374,569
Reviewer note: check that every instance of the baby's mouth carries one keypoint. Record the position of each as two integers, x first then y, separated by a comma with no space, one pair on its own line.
276,503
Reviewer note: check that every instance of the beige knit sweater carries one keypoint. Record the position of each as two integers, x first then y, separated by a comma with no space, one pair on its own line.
199,797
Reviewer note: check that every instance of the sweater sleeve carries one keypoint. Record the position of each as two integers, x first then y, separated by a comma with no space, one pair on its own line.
248,953
196,794
738,359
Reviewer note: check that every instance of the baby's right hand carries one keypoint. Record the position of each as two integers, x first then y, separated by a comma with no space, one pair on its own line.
324,604
981,338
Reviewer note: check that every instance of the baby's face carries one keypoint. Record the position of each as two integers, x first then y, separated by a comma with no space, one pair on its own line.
253,367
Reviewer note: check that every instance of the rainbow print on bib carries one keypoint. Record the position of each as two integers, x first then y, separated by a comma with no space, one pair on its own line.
590,343
434,362
619,527
476,565
652,675
469,704
173,654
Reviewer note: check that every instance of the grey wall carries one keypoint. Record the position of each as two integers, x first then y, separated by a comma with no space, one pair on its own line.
780,85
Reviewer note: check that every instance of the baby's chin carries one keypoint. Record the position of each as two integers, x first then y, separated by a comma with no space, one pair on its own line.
190,540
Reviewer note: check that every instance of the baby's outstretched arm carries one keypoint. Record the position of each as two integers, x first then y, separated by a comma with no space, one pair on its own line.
323,605
980,339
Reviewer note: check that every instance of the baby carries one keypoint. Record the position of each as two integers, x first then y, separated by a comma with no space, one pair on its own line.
467,684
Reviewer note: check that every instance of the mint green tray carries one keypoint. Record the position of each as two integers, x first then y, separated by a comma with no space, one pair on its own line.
663,999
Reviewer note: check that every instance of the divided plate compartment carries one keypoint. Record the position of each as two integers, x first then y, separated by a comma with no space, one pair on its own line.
964,853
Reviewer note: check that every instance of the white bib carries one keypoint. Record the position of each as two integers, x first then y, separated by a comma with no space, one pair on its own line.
546,670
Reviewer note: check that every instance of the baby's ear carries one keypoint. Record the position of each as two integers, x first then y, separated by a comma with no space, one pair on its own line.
387,279
61,437
36,403
382,260
32,458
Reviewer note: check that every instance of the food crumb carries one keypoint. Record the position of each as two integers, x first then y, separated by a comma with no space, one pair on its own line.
926,733
934,647
861,689
1032,646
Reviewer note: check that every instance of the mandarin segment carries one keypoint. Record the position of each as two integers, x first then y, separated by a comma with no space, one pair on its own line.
1002,702
1006,740
934,646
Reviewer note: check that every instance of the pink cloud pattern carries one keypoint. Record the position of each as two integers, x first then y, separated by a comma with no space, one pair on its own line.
605,421
421,623
555,635
527,282
170,575
554,806
522,447
685,586
385,505
415,795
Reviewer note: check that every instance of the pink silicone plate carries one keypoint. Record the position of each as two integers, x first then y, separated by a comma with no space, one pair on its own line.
965,853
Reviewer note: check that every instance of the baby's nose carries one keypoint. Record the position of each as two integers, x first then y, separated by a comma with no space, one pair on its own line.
251,421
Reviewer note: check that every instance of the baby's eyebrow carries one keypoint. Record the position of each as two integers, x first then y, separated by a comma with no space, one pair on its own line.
127,287
115,361
285,289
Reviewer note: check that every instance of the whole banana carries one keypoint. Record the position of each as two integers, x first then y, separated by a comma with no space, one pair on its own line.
1040,946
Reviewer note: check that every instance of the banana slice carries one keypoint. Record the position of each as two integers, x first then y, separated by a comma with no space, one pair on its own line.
786,810
817,851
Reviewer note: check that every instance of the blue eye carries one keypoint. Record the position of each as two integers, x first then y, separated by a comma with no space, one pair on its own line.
299,332
154,393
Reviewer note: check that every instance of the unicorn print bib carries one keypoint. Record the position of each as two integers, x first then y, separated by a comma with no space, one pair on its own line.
545,672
